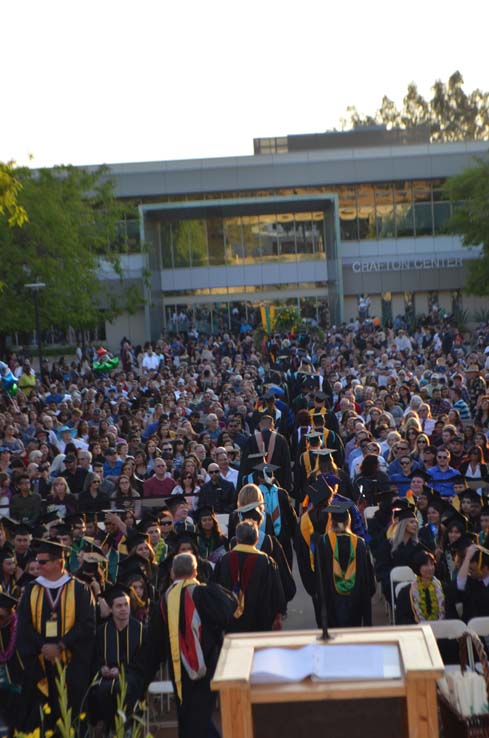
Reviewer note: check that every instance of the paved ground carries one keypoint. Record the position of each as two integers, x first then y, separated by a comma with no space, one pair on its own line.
300,617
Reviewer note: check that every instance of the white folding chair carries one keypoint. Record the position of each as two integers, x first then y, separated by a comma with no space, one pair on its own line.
370,511
481,627
159,689
223,523
399,574
452,630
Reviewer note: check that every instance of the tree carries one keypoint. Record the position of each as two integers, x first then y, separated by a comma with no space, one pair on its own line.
450,115
469,192
10,188
73,222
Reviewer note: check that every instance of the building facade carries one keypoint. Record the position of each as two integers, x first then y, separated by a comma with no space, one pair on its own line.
312,230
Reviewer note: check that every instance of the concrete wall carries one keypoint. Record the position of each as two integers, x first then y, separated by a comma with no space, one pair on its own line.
131,326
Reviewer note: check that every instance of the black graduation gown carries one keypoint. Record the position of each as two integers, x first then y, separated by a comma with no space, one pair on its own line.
215,606
280,457
272,547
204,572
78,641
113,648
386,559
259,580
475,599
354,609
12,680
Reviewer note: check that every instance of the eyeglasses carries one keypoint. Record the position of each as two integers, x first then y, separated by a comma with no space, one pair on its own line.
96,482
422,440
441,457
42,562
214,471
405,463
403,448
166,522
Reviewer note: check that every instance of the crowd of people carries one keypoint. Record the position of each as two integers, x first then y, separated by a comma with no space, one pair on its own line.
148,510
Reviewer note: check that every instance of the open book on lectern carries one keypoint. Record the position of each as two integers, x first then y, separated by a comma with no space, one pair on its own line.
326,662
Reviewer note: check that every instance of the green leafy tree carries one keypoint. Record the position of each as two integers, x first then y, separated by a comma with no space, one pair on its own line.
450,115
10,188
73,223
469,191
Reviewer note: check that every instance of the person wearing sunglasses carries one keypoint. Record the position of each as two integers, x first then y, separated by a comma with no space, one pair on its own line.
442,475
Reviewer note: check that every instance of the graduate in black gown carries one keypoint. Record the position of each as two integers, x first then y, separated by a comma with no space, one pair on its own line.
277,504
117,645
265,441
251,507
344,571
255,580
11,667
186,630
473,582
56,621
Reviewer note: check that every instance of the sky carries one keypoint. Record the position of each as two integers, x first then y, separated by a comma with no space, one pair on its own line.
101,81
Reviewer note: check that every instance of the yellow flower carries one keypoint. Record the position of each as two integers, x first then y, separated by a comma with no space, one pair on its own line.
83,715
46,709
49,734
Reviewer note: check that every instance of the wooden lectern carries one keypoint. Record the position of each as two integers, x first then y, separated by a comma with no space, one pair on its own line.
403,707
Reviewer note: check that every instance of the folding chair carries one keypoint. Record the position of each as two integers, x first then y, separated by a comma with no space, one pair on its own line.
369,512
481,627
452,630
399,574
223,523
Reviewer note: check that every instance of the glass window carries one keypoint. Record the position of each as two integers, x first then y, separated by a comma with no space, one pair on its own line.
404,212
409,308
286,234
215,241
181,245
233,241
166,248
384,208
269,243
133,237
441,214
347,211
423,210
197,236
251,239
366,212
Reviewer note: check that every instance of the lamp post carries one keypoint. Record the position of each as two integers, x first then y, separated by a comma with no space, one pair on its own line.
35,287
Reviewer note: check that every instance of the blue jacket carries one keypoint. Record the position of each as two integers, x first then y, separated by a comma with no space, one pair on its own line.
442,482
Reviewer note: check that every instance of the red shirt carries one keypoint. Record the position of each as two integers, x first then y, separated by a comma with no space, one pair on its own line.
155,487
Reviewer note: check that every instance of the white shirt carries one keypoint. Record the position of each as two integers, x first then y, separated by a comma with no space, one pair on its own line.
231,476
150,363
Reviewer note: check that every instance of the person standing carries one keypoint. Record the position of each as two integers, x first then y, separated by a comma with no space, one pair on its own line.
56,623
255,580
186,630
344,572
266,442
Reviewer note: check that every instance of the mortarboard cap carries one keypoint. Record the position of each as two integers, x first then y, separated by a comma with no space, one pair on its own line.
205,511
269,395
322,451
256,456
404,513
320,396
461,544
49,517
135,538
6,601
9,523
268,467
22,529
133,564
7,553
338,507
176,500
117,590
450,516
39,531
420,473
75,519
53,548
319,491
314,434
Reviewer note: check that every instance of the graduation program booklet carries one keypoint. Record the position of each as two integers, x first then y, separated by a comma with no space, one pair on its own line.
326,663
